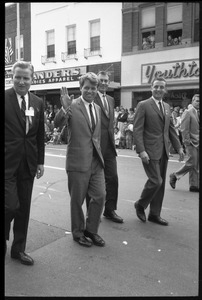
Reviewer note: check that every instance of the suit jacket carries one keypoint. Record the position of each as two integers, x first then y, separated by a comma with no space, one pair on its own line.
81,139
190,127
107,125
17,142
152,132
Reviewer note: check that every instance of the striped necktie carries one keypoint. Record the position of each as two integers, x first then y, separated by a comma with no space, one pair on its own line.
105,104
23,108
92,117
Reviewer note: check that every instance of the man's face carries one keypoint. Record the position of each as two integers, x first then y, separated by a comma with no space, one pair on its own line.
195,102
22,79
103,83
158,89
88,91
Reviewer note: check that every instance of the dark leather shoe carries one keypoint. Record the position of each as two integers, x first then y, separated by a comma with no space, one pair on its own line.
97,240
83,241
157,219
111,215
24,258
140,212
173,180
194,189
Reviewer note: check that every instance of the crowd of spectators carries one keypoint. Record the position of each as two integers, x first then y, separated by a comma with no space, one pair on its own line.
53,135
123,127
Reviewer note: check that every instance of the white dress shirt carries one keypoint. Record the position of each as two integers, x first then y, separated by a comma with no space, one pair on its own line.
88,109
101,97
157,103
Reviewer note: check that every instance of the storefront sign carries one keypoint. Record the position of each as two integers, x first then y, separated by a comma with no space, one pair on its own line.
172,71
58,75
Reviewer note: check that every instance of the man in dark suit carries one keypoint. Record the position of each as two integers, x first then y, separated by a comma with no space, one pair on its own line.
24,155
190,136
84,162
106,104
153,128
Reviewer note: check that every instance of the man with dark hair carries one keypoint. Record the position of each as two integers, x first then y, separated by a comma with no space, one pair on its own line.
84,162
24,155
153,128
190,136
108,148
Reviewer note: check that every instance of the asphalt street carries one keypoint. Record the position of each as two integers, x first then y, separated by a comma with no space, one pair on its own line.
139,259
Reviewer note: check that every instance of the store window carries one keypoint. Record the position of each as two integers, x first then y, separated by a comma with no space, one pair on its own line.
71,39
174,24
50,43
196,22
148,23
21,48
95,35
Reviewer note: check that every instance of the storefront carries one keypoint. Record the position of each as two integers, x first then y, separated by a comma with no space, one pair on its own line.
47,84
182,76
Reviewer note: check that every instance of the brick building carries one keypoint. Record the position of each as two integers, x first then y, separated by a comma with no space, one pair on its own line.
160,38
11,51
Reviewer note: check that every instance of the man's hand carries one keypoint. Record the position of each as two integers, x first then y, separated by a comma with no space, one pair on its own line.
39,171
65,99
145,157
181,154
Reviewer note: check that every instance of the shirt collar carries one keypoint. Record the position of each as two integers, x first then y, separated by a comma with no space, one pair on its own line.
157,101
86,102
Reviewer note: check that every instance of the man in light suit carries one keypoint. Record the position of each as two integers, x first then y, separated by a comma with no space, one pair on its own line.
190,136
153,129
84,161
24,155
109,153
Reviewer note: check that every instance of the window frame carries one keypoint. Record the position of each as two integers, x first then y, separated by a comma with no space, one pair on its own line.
71,41
51,46
144,30
193,23
94,37
168,26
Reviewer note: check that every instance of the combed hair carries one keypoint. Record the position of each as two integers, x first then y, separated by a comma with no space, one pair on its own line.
23,65
196,95
92,77
104,73
159,79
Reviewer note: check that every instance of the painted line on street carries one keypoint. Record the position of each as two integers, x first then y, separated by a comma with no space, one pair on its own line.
126,156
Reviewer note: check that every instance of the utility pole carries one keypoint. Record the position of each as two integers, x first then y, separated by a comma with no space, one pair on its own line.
18,30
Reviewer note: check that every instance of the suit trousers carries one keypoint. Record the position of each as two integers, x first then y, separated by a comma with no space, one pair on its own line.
191,165
154,188
18,193
79,184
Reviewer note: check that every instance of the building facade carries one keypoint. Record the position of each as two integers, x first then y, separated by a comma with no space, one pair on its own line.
160,38
71,38
11,39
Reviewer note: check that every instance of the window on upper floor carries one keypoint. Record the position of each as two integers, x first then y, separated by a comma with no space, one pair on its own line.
174,24
50,35
196,22
148,23
95,35
21,48
71,39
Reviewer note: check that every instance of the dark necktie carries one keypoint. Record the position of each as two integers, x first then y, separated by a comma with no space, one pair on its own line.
92,118
161,109
23,108
105,104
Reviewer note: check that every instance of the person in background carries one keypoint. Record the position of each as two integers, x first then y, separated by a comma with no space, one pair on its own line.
122,117
116,113
84,160
153,128
24,156
117,136
190,136
109,153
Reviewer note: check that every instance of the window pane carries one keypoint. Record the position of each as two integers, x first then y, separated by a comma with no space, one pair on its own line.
148,17
50,51
95,28
196,14
71,33
71,46
95,43
50,38
174,13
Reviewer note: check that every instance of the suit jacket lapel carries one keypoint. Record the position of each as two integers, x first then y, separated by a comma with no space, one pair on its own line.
154,106
99,102
16,106
83,110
